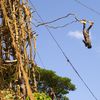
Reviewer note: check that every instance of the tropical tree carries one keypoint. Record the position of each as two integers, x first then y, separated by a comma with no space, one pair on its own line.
55,86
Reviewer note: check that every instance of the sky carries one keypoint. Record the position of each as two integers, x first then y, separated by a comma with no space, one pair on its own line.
86,61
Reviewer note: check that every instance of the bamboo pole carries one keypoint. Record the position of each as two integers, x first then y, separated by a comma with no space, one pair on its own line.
28,17
0,51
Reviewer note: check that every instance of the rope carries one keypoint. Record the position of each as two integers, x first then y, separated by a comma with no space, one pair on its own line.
84,5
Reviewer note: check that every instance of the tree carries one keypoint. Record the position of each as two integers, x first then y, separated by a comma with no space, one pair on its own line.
50,82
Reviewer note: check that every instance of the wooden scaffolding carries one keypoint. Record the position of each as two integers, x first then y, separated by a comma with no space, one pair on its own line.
17,41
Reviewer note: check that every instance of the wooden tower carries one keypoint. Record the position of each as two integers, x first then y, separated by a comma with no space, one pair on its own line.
17,42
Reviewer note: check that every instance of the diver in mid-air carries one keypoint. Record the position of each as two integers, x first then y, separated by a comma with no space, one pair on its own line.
86,40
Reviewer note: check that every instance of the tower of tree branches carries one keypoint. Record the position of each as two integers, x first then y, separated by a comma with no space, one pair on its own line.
17,41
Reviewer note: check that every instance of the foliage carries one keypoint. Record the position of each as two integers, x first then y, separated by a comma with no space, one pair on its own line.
7,94
40,96
48,79
10,95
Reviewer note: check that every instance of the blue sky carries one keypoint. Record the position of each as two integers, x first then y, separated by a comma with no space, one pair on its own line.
86,61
